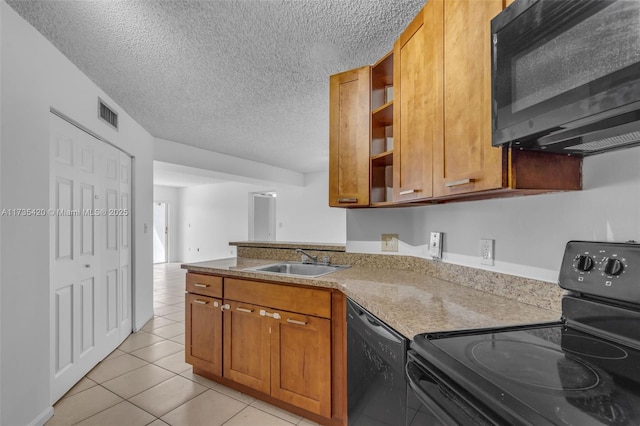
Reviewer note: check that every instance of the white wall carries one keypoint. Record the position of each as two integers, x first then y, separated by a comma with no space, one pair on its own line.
210,217
169,195
213,215
303,214
529,232
35,77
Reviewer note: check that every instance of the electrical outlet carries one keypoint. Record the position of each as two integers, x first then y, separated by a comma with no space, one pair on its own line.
389,242
435,245
486,252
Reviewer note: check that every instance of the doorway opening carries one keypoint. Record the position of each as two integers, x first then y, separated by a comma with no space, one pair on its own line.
262,216
160,232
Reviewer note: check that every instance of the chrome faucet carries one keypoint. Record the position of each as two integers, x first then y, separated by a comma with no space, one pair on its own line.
313,259
307,258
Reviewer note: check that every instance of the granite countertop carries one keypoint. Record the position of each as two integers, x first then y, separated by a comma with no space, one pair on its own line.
409,302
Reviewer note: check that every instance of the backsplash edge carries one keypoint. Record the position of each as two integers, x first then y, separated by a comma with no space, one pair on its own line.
525,290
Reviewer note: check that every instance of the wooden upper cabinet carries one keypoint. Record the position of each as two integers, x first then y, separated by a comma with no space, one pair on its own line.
440,120
464,160
417,108
382,131
465,164
349,115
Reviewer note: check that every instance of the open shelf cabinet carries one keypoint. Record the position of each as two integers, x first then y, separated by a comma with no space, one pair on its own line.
382,131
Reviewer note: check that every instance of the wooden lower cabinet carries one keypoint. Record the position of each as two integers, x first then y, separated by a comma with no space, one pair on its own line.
301,361
246,341
203,338
292,359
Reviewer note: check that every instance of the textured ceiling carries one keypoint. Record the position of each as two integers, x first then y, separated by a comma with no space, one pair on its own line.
248,78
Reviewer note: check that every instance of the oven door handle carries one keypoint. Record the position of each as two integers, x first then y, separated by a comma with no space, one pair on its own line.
415,377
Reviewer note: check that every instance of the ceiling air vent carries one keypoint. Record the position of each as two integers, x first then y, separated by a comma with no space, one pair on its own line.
107,114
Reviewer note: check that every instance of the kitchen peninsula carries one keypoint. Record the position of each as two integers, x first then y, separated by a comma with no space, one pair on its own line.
271,312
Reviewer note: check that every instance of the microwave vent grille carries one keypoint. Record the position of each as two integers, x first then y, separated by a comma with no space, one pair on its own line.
610,142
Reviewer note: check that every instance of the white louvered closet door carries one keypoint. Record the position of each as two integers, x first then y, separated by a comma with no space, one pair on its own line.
90,252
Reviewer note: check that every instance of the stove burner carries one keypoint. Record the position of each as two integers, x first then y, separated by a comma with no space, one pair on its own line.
586,346
534,365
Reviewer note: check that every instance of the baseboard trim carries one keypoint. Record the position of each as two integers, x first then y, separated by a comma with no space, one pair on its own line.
43,417
137,327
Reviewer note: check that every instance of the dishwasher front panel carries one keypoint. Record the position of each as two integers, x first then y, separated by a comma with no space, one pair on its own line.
376,356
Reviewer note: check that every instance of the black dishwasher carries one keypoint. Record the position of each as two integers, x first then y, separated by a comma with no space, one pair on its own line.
376,356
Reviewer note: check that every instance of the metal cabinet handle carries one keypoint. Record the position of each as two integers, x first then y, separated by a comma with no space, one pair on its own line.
244,310
409,191
205,302
225,306
459,182
201,285
347,200
274,315
292,321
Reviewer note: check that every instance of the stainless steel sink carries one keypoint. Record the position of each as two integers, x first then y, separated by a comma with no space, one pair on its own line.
301,269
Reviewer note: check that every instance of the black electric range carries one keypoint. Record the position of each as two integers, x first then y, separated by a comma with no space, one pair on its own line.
582,370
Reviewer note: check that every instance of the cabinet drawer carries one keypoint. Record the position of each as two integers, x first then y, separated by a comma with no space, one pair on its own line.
308,301
207,285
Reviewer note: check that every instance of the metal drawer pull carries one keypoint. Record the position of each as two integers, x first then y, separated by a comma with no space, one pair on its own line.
225,306
274,315
409,191
459,182
244,310
204,302
201,285
347,200
292,321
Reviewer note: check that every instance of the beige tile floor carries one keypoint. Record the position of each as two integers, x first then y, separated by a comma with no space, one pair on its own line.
146,381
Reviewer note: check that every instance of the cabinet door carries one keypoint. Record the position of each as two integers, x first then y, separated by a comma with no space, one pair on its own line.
246,346
349,114
203,339
465,161
301,362
417,85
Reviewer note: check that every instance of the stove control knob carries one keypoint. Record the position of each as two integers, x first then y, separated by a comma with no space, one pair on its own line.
613,267
584,263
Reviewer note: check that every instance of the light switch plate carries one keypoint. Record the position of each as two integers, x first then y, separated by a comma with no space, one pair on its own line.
486,251
389,242
435,245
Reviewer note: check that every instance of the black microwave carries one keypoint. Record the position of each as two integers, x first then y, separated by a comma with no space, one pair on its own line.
566,75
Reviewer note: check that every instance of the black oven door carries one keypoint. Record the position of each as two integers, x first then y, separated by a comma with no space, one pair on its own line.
558,66
433,402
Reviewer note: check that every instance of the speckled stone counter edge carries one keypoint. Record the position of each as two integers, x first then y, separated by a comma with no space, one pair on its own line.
292,245
525,290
